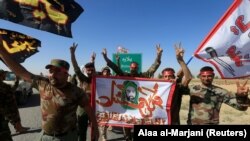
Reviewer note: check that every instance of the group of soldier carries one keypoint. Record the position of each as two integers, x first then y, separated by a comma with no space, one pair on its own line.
65,104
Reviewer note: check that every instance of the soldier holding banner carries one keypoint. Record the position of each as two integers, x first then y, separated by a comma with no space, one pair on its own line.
181,84
134,73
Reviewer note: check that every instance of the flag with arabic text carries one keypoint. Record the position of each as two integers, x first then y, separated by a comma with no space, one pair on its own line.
54,16
227,46
126,101
18,45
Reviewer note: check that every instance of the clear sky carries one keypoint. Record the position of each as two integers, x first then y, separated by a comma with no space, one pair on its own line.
137,25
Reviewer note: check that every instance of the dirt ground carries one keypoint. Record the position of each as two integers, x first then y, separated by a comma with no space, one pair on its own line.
228,115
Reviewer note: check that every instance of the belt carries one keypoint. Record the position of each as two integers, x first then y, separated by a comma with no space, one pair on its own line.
58,134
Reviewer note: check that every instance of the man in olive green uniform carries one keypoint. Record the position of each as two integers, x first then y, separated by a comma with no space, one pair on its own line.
85,84
8,110
206,99
59,99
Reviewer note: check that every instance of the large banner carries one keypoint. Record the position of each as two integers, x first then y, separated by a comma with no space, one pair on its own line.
18,45
124,101
227,46
55,16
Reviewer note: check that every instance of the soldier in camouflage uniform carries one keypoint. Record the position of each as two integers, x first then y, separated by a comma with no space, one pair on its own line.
181,86
8,110
59,100
85,84
206,99
134,73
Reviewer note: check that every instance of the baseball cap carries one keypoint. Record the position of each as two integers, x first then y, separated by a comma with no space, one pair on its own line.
58,63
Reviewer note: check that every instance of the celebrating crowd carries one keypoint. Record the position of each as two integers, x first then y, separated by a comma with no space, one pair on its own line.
65,103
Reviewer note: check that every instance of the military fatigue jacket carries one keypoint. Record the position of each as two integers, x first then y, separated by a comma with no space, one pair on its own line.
205,103
59,106
85,84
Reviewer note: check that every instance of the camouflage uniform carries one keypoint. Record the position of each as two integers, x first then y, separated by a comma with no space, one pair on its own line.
82,117
8,110
205,104
58,108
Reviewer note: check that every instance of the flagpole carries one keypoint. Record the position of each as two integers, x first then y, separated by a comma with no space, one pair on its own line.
190,59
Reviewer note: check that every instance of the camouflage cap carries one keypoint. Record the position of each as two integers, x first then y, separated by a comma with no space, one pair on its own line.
58,63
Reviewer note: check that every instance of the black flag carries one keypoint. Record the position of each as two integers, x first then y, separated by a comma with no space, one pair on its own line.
18,45
54,16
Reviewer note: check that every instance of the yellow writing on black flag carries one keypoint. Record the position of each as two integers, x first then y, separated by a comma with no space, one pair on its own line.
19,45
48,15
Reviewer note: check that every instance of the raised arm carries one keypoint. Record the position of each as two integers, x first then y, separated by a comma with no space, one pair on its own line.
17,68
92,58
179,51
73,57
111,64
156,63
240,100
117,57
159,54
77,69
105,56
242,95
